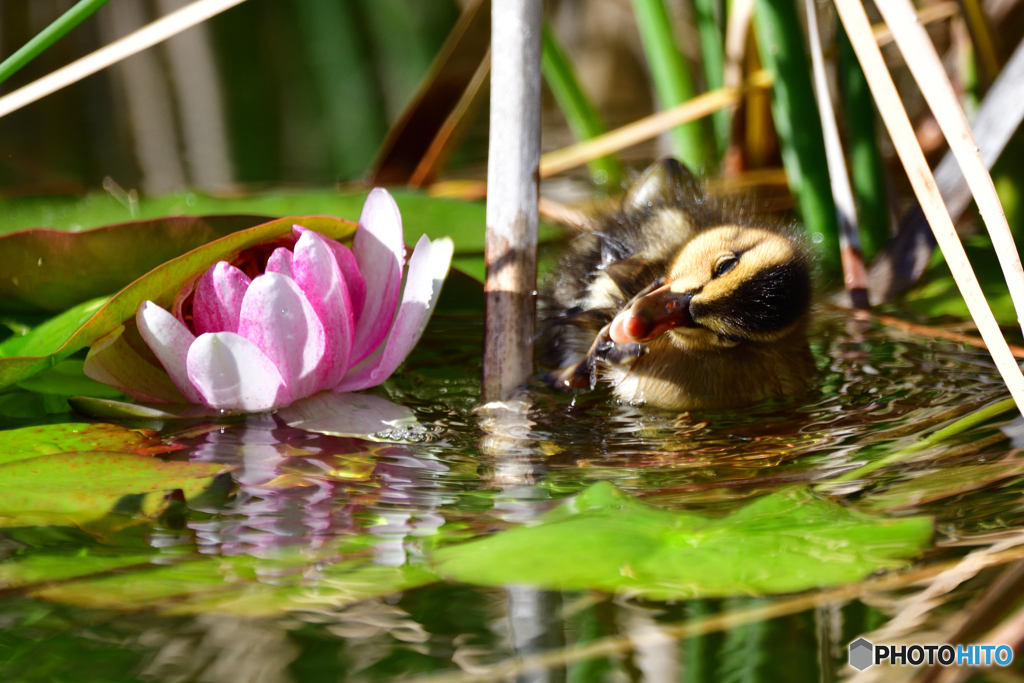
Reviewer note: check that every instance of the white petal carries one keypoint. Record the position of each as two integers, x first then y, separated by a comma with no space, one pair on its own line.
428,268
170,341
233,374
380,253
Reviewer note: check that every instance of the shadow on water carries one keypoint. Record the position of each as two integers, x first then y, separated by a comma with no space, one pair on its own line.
264,600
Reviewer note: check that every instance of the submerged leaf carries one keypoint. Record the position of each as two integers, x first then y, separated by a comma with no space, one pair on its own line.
787,541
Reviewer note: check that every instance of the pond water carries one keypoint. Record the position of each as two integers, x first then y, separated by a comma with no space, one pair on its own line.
305,567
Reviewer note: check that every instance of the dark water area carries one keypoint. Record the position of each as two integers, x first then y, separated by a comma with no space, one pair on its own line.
266,601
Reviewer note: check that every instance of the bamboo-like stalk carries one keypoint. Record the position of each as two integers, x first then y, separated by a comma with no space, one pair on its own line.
513,156
146,37
928,15
854,19
926,67
579,111
646,128
48,36
736,30
855,276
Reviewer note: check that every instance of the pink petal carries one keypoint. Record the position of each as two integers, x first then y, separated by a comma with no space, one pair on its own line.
321,280
280,262
170,340
379,252
349,268
233,374
113,360
427,270
279,320
218,299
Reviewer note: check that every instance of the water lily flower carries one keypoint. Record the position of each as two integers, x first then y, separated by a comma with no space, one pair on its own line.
319,316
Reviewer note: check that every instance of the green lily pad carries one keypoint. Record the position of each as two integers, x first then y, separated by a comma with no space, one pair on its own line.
159,285
67,379
79,488
31,442
787,541
929,486
52,270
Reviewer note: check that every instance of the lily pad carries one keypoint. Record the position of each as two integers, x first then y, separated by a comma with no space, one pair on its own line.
108,409
46,567
67,379
78,488
787,541
31,442
53,270
929,486
159,285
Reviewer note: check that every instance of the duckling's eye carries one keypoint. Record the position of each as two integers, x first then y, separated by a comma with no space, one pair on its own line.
724,264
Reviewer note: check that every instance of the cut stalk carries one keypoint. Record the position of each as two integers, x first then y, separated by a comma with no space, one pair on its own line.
927,69
672,80
854,19
579,111
48,36
513,156
146,37
781,46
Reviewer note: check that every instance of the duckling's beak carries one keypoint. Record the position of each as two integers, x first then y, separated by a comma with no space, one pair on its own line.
650,316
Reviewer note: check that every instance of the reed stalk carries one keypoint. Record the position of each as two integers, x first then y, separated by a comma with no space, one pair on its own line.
156,32
894,116
48,36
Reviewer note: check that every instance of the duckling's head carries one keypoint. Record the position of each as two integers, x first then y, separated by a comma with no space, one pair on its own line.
728,285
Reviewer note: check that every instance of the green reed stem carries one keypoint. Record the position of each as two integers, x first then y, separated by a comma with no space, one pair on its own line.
795,112
960,426
579,111
713,59
672,80
48,36
867,174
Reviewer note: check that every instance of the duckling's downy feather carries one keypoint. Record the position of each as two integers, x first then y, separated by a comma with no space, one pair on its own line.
680,302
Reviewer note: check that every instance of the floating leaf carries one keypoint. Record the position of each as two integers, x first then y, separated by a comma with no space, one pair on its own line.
349,414
52,270
159,285
108,409
67,379
30,442
787,541
78,488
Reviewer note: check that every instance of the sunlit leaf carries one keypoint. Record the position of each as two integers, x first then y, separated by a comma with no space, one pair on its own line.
78,488
159,285
67,379
29,442
52,270
787,541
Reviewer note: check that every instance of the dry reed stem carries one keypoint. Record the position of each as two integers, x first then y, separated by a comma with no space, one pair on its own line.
855,275
926,67
646,128
736,30
854,19
927,15
158,31
613,645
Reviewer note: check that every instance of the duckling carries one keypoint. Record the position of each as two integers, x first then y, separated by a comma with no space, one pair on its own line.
679,304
